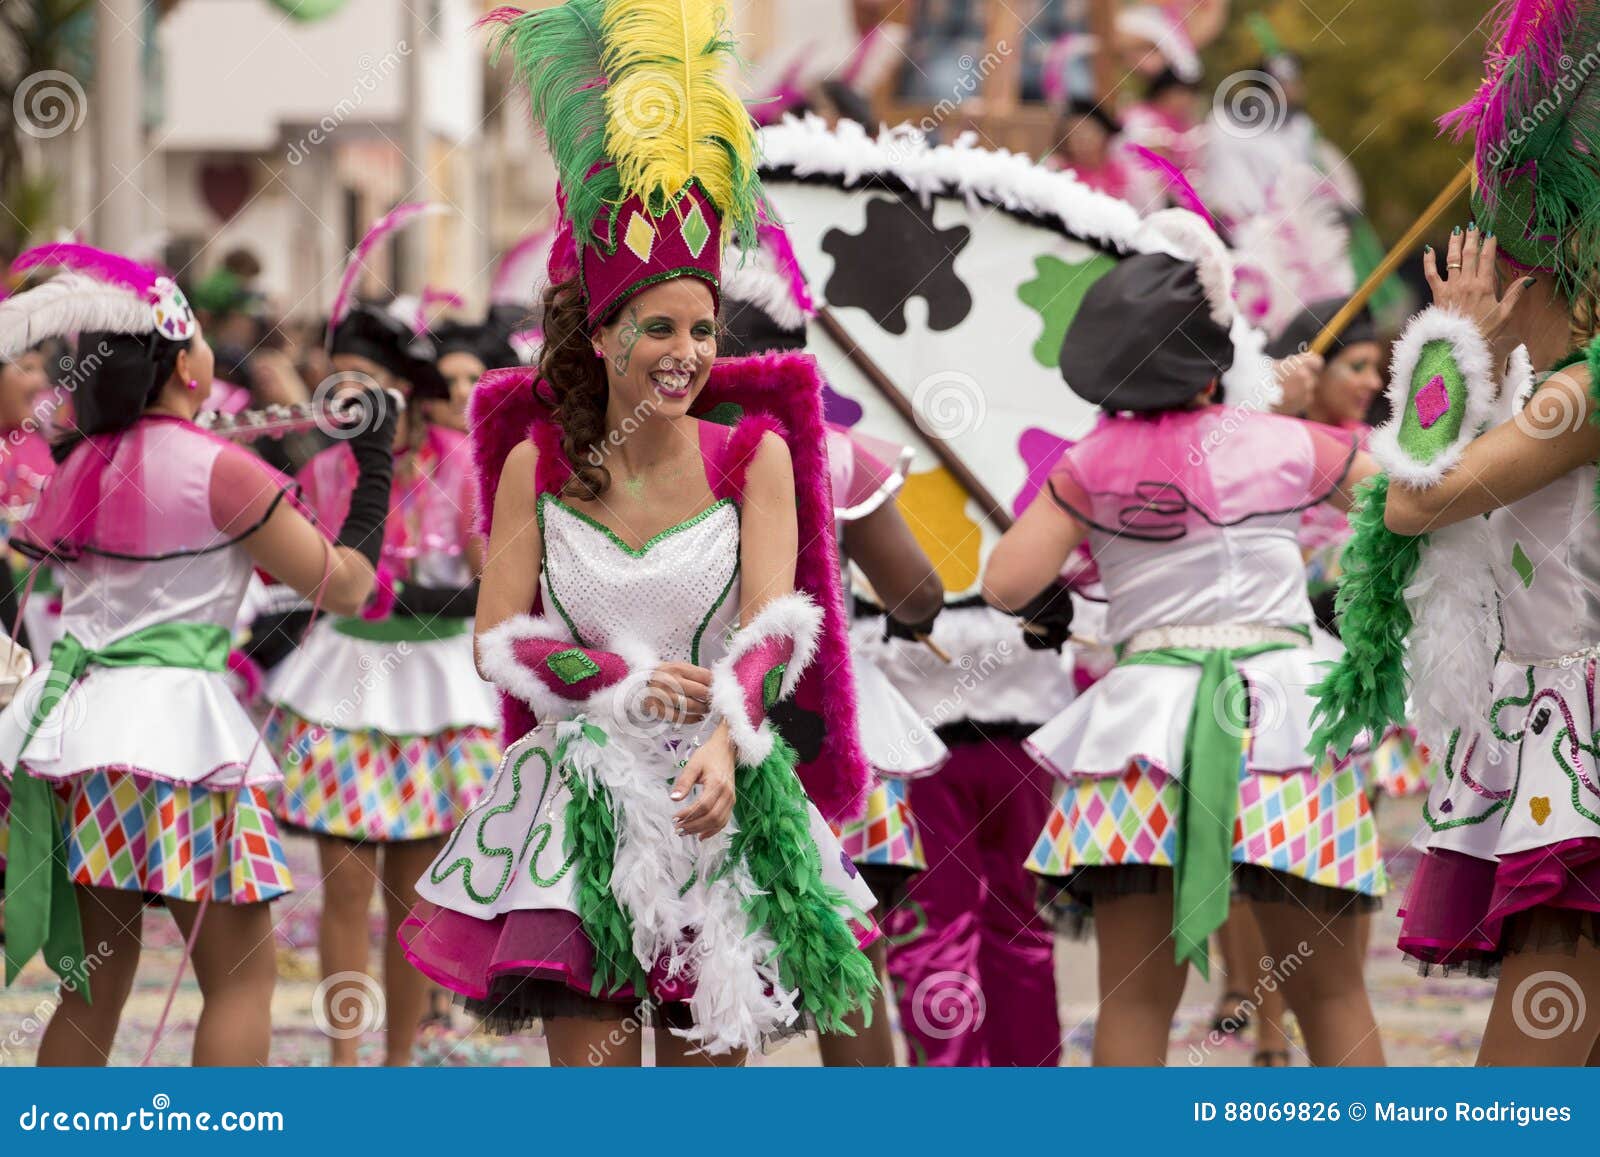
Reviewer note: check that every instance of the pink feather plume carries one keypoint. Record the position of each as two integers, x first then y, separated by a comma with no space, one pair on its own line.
505,14
111,268
396,218
1182,191
522,269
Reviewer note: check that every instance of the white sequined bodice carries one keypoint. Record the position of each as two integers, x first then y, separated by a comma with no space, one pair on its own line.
1545,553
679,592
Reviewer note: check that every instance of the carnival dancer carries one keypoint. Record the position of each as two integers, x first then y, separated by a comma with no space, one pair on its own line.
661,587
133,769
766,304
465,352
385,730
1173,763
1503,623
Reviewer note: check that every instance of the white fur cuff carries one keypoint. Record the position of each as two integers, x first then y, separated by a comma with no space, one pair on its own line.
1472,359
793,616
497,655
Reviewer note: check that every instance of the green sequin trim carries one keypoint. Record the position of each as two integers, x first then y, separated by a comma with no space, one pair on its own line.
1439,825
633,552
699,632
439,874
1438,359
572,666
723,414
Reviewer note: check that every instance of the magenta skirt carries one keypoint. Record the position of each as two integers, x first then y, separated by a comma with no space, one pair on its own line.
523,966
1465,913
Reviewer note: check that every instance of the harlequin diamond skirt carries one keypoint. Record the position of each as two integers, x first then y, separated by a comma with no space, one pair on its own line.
136,834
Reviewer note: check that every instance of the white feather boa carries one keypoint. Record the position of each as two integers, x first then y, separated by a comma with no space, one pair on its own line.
703,932
70,303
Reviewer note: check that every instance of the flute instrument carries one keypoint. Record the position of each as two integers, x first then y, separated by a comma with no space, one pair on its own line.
334,414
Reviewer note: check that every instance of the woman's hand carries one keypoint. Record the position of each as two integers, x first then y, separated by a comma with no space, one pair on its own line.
711,767
678,693
1297,377
1469,288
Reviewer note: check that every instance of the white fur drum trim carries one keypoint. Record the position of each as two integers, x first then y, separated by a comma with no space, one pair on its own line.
792,616
1472,358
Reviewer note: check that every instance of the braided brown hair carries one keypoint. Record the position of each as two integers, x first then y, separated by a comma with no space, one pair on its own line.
578,379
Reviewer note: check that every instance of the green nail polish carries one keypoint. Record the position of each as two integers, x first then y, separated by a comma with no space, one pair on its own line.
1427,248
1528,281
1471,226
1456,232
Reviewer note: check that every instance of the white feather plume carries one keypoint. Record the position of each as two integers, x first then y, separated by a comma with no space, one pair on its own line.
69,303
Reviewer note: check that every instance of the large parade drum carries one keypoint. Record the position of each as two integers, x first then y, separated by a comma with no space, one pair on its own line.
945,278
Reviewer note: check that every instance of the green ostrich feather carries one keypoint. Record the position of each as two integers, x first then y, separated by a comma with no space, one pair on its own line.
592,837
817,951
556,53
1366,689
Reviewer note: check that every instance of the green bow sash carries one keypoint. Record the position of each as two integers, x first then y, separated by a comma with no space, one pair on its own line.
1209,799
41,908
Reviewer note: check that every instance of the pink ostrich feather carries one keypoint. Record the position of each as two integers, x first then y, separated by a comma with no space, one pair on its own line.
505,14
778,393
1534,31
103,266
521,269
397,218
431,297
1182,191
788,264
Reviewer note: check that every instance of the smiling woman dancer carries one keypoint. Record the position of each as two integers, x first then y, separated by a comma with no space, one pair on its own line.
647,850
1498,475
134,770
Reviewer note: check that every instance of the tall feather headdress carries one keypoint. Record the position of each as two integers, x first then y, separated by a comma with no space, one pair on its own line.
654,151
1535,121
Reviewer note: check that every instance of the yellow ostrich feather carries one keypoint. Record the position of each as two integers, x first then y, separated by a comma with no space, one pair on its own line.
670,114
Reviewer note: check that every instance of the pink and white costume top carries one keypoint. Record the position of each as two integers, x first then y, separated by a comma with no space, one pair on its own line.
1193,517
145,527
897,741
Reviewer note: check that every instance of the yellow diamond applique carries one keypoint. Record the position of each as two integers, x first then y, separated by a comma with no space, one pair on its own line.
640,237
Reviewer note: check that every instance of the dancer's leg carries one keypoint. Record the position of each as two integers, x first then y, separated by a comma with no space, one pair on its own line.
1141,982
81,1033
1537,992
1317,960
405,989
349,875
584,1042
235,963
872,1046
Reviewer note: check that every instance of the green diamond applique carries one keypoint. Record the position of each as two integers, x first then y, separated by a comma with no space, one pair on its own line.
1522,564
572,666
772,685
695,231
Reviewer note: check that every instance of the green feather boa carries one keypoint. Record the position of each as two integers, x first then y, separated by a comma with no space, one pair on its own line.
592,835
1366,689
817,951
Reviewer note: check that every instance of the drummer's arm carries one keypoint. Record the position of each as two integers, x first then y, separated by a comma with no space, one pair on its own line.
1030,555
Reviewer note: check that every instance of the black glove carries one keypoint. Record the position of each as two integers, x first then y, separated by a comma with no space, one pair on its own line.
894,628
1047,619
274,637
421,602
372,445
